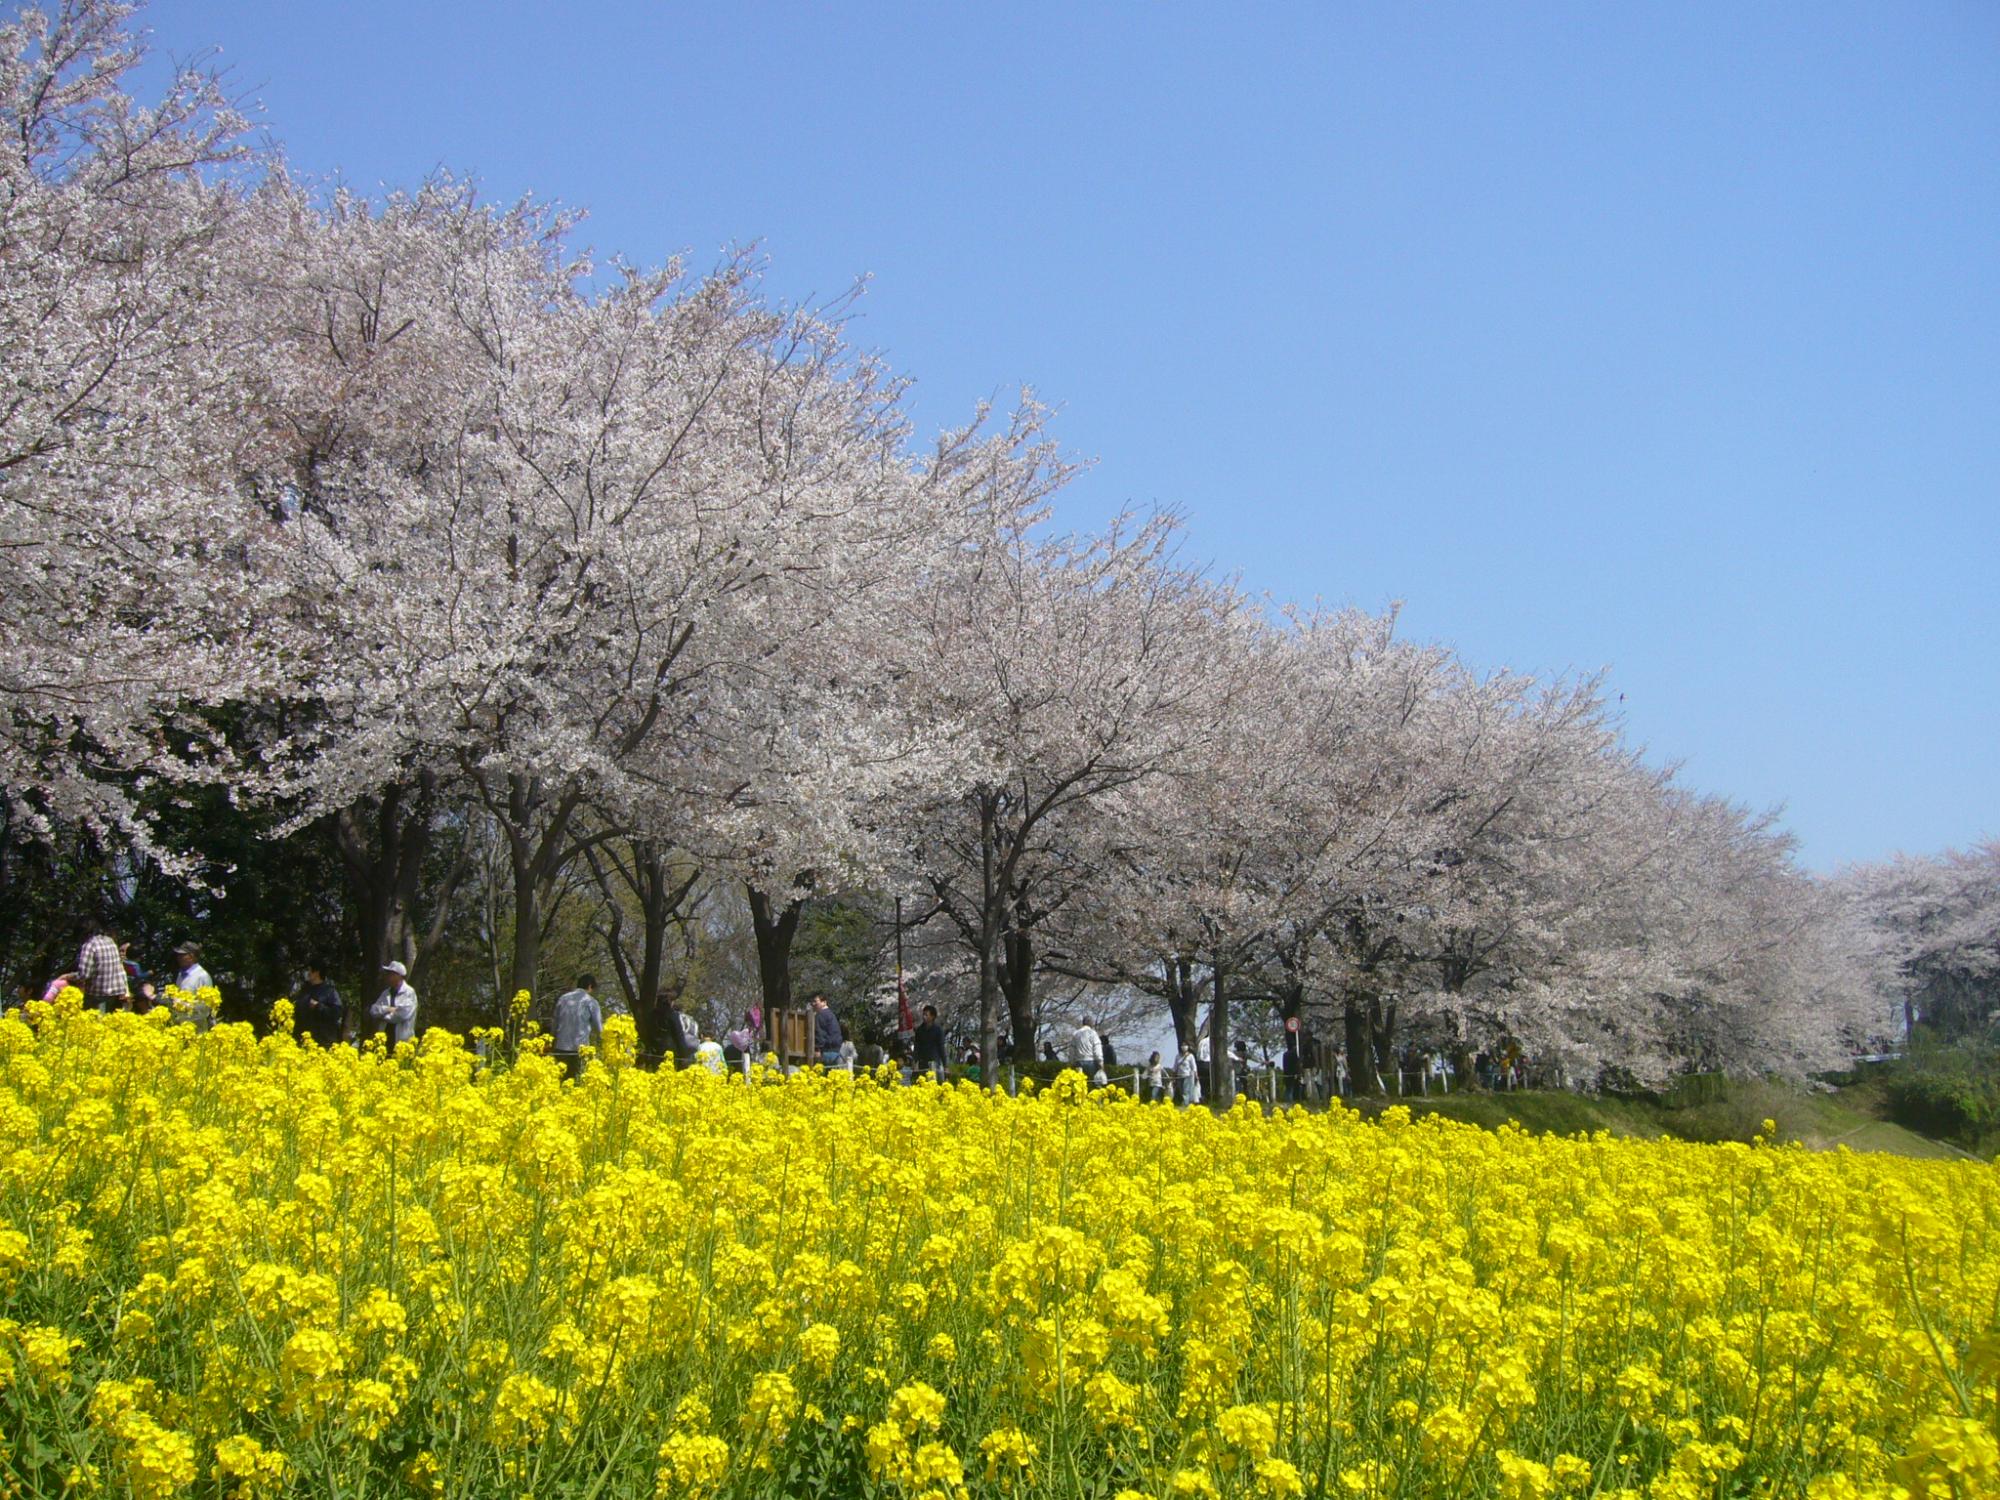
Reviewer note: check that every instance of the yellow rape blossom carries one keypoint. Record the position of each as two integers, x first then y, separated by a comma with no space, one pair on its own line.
248,1468
692,1465
247,1266
1010,1456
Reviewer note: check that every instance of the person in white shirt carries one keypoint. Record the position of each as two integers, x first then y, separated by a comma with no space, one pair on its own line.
1086,1053
1187,1075
192,980
709,1054
395,1009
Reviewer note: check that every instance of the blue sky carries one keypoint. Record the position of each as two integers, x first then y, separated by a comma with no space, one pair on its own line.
1657,338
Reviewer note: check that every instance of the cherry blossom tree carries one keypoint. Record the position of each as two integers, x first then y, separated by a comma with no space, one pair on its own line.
1534,790
1304,807
364,372
123,549
615,564
593,584
1082,669
838,729
1936,925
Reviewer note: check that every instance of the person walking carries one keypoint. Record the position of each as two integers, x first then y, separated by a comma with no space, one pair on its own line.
827,1035
579,1022
1086,1052
100,972
319,1011
1156,1080
929,1039
395,1009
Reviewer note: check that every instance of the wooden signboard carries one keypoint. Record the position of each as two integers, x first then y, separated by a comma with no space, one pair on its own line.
789,1034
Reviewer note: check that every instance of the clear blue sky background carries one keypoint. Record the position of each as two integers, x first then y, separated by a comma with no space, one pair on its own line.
1657,337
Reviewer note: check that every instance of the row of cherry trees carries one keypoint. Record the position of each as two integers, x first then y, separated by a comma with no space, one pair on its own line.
403,521
1935,922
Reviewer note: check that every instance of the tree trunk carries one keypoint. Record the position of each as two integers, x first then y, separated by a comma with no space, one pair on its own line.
774,947
1382,1033
1017,982
650,879
647,1014
1221,1068
536,827
1183,1000
1361,1067
527,924
1461,1054
990,926
382,844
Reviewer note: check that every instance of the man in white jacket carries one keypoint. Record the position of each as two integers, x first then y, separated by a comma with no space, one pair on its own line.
395,1009
1086,1053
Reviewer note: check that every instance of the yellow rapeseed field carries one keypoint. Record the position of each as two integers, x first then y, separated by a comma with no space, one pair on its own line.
232,1266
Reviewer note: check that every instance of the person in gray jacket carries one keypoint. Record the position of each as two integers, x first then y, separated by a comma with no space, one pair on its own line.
395,1009
579,1021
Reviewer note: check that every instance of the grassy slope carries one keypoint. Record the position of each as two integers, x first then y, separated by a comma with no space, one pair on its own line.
1729,1112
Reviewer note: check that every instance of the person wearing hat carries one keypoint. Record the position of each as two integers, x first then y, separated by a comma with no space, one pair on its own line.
191,976
395,1009
192,980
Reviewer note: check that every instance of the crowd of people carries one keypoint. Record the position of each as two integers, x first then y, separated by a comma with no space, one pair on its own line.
111,978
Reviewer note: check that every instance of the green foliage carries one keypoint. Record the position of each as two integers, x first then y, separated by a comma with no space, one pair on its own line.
263,908
1943,1104
1714,1110
838,952
1947,1089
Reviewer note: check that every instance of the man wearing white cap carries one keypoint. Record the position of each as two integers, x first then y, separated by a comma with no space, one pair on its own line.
192,979
191,976
395,1009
